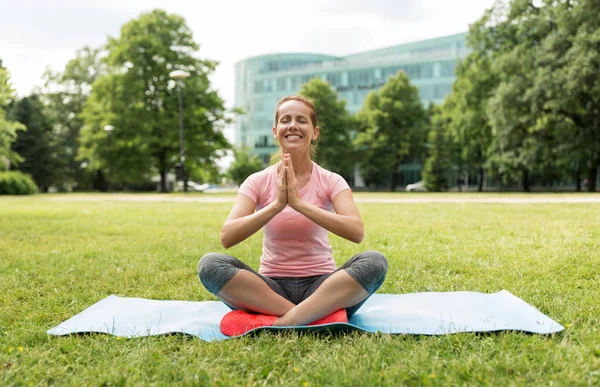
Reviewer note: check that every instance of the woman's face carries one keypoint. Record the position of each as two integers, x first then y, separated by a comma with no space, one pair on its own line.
294,129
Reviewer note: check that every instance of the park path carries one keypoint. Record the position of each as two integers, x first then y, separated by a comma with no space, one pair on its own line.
543,198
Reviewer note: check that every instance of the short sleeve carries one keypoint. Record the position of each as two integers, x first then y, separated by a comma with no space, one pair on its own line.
250,187
337,184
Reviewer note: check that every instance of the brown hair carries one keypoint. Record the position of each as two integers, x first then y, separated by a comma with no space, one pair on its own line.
313,118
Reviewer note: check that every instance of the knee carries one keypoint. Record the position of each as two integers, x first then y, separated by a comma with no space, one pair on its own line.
375,261
378,261
209,264
369,269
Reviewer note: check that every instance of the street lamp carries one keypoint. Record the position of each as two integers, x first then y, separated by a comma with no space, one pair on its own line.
179,76
108,129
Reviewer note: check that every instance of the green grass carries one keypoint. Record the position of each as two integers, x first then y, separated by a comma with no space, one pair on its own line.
58,258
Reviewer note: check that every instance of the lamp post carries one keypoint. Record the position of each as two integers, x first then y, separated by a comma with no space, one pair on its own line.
109,129
179,76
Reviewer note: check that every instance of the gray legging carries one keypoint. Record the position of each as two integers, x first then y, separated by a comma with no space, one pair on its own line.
367,268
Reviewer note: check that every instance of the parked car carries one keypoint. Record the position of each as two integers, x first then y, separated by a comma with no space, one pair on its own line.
193,186
419,186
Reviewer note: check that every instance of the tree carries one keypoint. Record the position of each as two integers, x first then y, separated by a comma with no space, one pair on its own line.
8,128
544,112
34,144
439,161
65,94
465,107
393,128
244,165
569,59
139,100
335,151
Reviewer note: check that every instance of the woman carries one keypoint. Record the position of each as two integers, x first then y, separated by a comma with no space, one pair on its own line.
297,202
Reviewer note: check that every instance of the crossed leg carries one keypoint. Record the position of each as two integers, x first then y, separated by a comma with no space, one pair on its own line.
239,286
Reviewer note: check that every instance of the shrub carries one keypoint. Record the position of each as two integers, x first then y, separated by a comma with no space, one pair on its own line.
16,183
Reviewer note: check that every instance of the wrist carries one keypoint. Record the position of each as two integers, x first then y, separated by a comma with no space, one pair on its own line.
299,206
275,208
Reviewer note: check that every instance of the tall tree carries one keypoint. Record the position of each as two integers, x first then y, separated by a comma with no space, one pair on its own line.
64,94
393,128
544,112
8,128
139,100
466,110
439,162
34,144
335,151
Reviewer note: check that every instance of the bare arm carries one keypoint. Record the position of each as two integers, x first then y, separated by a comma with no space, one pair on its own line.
243,221
345,222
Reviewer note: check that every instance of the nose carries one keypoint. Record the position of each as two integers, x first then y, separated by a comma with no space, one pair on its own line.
293,125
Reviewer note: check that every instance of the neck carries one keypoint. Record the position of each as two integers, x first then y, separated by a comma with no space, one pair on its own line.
302,163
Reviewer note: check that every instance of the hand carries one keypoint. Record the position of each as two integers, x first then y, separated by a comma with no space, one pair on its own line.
281,187
292,187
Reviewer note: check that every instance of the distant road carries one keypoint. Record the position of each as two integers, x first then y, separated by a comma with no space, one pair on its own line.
453,198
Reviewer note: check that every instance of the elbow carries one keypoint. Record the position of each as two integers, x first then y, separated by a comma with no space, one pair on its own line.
360,235
225,241
358,239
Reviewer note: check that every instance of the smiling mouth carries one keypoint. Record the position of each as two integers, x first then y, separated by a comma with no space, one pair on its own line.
293,137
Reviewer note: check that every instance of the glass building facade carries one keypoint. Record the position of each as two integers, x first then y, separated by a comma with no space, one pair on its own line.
262,80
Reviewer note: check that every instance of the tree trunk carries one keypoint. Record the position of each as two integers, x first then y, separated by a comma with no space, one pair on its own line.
481,177
578,178
163,180
591,177
394,179
525,180
100,182
162,161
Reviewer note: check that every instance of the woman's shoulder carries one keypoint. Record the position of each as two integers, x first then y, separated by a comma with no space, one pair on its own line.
262,175
326,175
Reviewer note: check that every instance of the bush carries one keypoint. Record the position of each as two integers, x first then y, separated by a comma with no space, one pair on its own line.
16,183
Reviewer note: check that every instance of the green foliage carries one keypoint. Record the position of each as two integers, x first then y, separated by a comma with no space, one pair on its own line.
34,145
16,183
544,60
64,95
8,128
439,161
392,129
335,151
244,165
59,257
140,101
465,109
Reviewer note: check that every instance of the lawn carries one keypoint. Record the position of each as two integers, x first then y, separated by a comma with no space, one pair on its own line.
59,257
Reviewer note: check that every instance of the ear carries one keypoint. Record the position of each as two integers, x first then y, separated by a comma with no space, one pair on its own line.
274,129
316,132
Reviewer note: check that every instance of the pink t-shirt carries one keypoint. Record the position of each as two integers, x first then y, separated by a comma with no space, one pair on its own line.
293,245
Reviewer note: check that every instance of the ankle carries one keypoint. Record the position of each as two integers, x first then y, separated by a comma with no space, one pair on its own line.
280,322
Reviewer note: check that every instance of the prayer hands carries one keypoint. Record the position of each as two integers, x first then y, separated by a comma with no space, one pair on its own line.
287,191
292,186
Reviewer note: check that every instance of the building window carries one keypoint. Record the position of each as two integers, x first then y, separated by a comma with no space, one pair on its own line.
361,77
258,86
440,91
267,85
282,84
447,68
334,79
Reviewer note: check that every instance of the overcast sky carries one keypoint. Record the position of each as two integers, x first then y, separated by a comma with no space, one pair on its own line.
39,33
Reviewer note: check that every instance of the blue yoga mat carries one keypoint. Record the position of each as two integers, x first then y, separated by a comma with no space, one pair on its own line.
429,313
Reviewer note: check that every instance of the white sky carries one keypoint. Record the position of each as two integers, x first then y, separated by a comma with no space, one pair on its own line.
39,33
35,34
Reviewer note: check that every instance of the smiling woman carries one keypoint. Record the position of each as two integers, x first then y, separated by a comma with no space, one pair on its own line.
298,203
